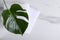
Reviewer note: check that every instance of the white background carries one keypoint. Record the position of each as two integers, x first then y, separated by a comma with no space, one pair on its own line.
43,30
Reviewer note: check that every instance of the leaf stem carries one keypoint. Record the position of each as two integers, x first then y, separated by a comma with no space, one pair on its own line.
5,4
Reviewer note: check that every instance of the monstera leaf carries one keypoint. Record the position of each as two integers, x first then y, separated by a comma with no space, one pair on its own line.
15,19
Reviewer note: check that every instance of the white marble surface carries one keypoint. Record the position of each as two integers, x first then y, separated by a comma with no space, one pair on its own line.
43,30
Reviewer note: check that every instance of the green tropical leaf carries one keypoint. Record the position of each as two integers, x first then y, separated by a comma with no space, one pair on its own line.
12,23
